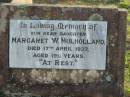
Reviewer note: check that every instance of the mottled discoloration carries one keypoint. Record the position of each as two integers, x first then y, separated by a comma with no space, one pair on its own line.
4,12
3,25
83,83
92,75
95,17
71,76
3,18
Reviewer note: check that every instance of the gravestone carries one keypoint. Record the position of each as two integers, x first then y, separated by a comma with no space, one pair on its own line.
62,51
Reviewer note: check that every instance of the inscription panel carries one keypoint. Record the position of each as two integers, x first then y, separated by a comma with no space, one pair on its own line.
59,44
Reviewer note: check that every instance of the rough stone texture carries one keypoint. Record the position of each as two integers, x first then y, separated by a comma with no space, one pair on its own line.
5,1
22,1
74,83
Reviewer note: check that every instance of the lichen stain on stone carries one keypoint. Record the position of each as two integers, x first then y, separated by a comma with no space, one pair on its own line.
78,10
59,76
3,23
116,34
95,17
54,72
21,7
108,78
92,75
111,37
112,44
22,79
34,74
43,76
62,76
66,75
20,14
67,9
35,17
112,40
80,71
74,76
49,77
4,12
12,9
47,16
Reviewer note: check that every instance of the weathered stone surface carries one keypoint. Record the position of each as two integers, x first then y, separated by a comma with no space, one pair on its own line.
79,83
5,1
22,1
